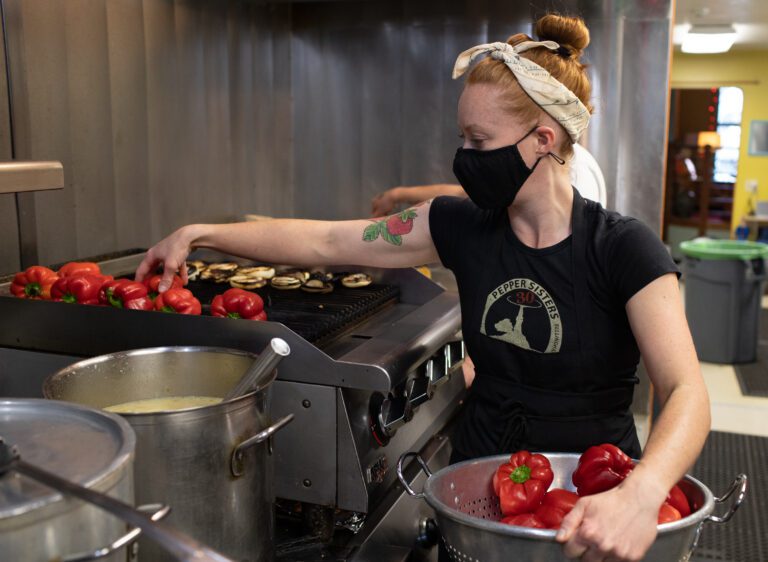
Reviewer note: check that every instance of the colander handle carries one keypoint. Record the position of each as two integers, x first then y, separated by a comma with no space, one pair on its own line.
740,485
401,477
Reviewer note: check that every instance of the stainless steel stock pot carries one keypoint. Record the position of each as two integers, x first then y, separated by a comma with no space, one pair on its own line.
211,464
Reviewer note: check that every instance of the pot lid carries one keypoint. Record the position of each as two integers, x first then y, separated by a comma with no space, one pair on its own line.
81,444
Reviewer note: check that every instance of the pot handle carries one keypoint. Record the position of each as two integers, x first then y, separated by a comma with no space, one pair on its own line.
402,479
740,484
160,511
236,461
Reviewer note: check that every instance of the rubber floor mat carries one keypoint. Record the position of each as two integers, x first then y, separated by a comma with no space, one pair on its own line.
745,537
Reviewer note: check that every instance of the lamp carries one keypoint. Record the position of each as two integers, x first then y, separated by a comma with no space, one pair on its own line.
708,138
709,39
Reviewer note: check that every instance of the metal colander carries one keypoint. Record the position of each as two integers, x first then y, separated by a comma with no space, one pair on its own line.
468,513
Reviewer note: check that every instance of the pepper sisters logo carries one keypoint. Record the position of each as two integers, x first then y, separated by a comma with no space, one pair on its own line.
522,313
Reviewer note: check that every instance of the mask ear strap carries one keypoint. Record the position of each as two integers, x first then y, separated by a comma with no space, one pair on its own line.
525,136
553,155
557,158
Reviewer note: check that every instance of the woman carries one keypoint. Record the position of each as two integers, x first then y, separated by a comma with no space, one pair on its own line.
558,296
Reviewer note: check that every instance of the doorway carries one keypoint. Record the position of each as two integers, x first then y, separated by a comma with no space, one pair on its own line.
702,163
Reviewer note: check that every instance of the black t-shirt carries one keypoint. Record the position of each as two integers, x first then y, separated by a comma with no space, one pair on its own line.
519,316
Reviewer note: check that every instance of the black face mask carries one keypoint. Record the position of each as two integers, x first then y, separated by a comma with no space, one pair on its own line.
492,178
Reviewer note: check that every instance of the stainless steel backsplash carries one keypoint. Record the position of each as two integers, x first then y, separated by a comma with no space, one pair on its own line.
163,112
166,112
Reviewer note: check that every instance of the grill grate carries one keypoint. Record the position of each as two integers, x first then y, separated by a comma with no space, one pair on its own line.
315,317
743,538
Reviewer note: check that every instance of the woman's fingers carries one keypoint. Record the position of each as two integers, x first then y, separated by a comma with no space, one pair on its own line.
183,273
170,253
147,266
468,370
167,280
382,205
571,522
608,526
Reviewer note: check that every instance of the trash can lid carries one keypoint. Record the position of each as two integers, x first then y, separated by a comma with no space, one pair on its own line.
709,249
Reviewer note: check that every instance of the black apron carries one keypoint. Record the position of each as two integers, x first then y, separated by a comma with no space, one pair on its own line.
536,419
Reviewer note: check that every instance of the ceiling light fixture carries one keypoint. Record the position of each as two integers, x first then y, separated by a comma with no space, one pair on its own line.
702,39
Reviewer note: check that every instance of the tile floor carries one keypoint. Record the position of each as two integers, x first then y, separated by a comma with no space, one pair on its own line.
732,411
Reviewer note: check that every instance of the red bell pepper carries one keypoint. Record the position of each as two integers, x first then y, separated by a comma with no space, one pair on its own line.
676,498
601,468
522,482
79,268
555,506
80,289
524,520
667,514
34,283
238,303
180,301
124,293
152,284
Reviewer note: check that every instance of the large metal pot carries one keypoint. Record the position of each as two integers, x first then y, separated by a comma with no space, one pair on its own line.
212,464
92,448
468,513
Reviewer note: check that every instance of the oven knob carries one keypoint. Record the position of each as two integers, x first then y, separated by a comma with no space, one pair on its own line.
395,411
374,417
429,534
408,395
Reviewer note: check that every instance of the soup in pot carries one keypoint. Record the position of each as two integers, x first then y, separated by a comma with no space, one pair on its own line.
163,404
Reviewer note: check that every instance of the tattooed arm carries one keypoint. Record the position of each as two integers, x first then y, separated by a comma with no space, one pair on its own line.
402,240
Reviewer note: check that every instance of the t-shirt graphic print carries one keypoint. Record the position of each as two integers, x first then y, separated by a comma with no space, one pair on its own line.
522,313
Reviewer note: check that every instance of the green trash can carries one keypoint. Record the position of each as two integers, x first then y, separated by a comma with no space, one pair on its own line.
724,282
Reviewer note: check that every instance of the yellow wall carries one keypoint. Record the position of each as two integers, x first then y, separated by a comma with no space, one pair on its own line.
749,71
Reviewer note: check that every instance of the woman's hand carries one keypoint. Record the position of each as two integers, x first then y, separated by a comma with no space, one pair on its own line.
170,253
617,525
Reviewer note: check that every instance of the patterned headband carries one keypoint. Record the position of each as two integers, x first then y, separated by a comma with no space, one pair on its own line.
548,93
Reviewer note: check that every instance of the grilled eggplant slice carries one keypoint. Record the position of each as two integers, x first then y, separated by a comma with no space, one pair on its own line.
217,276
301,275
194,270
249,282
223,266
262,272
284,282
356,280
317,286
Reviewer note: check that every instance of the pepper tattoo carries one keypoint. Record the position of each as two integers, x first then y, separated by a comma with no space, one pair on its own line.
391,229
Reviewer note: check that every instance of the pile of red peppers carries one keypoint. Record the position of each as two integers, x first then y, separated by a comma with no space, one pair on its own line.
522,485
83,283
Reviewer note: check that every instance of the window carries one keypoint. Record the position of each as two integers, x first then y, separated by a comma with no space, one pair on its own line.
729,108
